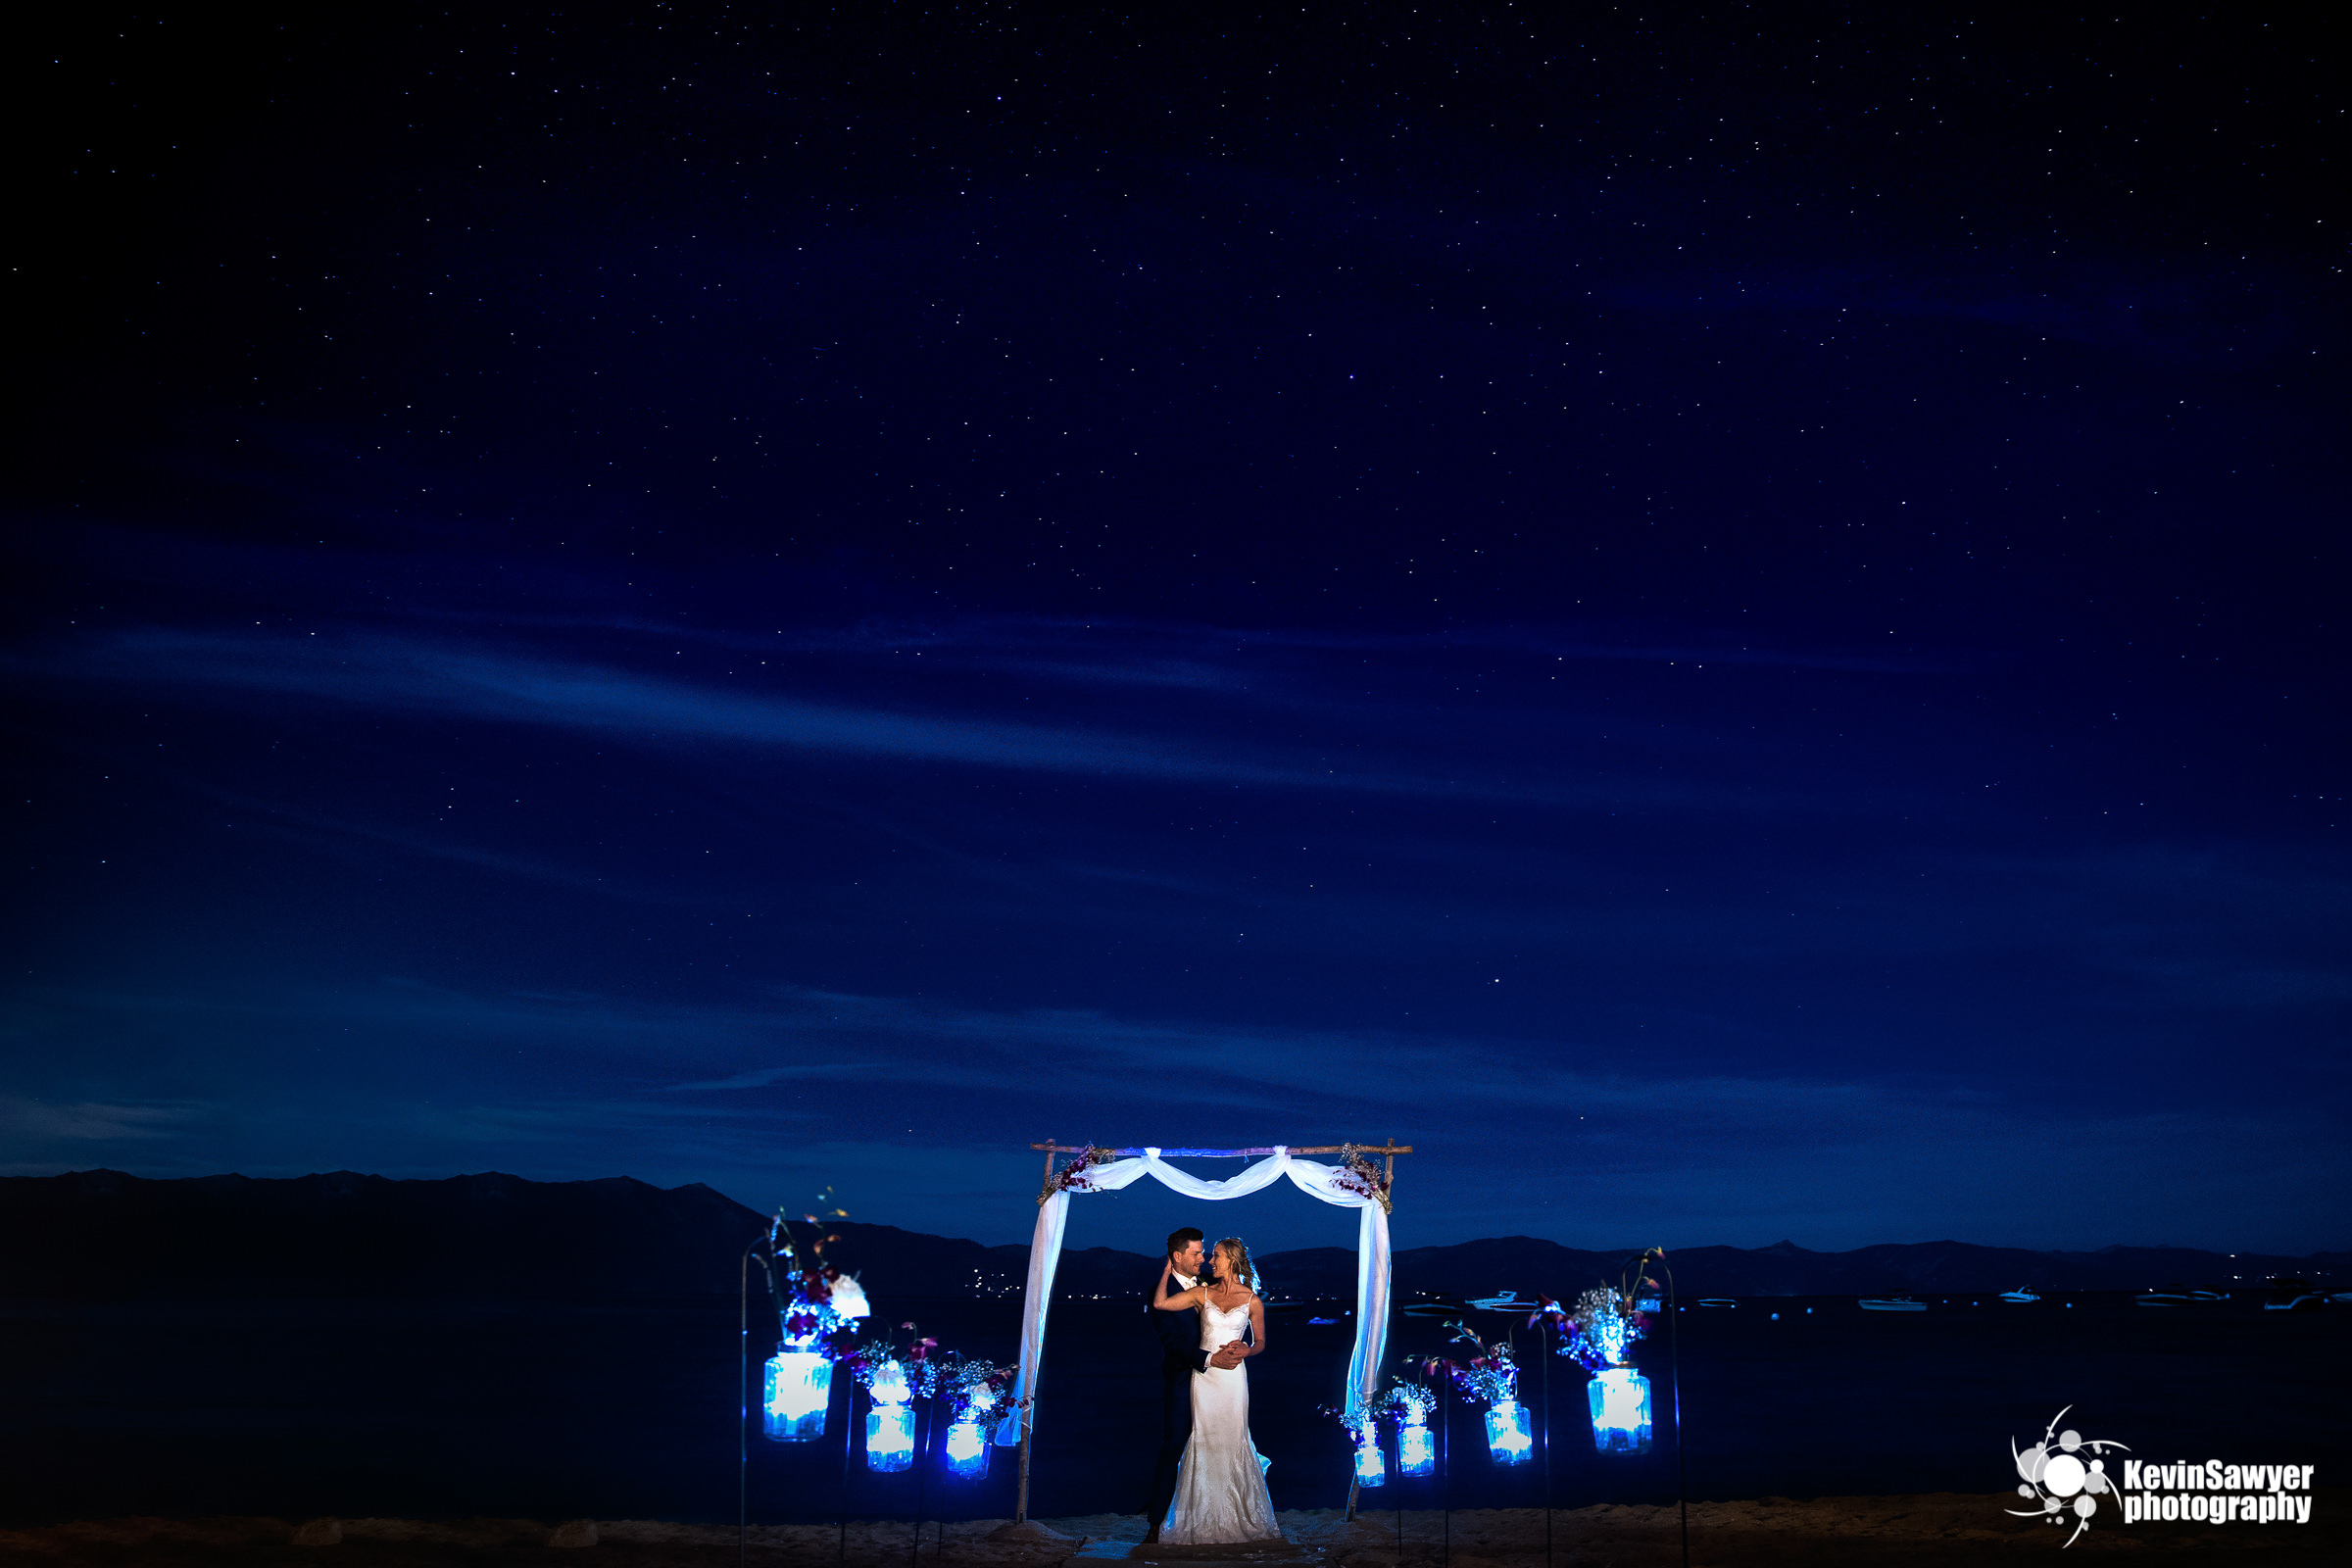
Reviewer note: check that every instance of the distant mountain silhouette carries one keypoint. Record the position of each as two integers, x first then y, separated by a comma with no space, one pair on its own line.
1529,1266
104,1233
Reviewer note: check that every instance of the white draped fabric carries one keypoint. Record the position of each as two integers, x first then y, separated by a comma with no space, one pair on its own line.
1310,1177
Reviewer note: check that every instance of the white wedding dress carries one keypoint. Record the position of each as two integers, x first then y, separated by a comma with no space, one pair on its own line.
1221,1491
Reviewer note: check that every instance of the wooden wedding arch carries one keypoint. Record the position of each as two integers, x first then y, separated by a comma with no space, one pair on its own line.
1098,1169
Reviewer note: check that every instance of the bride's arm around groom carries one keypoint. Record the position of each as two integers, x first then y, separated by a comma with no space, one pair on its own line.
1181,1339
1201,1295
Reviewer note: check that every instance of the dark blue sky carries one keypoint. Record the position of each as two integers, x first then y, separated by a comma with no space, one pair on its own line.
1729,621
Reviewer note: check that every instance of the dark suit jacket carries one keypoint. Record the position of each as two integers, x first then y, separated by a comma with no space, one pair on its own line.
1180,1348
1180,1356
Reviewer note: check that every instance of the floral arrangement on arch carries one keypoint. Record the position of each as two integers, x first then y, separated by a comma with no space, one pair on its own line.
1361,1177
1490,1376
818,1304
1071,1178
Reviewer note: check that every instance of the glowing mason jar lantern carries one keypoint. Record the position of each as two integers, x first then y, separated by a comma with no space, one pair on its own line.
1416,1452
1508,1436
792,1398
1620,1399
967,1448
889,1424
1371,1465
967,1442
888,1438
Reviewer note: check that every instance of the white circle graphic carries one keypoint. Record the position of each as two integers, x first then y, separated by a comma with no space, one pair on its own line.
2052,1474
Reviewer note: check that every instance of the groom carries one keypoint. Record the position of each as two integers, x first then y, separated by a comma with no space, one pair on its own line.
1181,1357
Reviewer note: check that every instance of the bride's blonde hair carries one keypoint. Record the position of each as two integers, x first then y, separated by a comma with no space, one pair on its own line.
1244,1270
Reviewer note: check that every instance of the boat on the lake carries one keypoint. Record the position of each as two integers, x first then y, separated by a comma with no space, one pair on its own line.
2022,1295
1892,1304
1507,1302
2167,1296
2292,1296
1717,1300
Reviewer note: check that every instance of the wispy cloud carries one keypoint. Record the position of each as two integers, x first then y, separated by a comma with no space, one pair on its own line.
422,678
763,1077
1120,651
410,676
34,1121
879,1095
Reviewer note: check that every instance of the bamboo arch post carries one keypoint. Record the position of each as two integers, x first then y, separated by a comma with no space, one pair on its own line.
1021,1501
1392,1148
1388,1147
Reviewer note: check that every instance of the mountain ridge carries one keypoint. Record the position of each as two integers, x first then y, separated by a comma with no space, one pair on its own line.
108,1233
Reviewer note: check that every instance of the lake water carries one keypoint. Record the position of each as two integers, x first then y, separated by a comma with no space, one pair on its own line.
438,1410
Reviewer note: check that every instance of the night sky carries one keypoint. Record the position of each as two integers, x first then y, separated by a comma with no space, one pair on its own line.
1730,620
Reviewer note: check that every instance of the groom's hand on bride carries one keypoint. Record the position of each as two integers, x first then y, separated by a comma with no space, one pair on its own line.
1230,1354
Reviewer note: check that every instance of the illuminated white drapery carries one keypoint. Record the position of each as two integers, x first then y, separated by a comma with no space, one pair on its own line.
1316,1180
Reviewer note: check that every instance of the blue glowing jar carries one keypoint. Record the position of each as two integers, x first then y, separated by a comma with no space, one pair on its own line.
1371,1465
794,1395
889,1424
888,1438
967,1448
1509,1438
1416,1450
1620,1399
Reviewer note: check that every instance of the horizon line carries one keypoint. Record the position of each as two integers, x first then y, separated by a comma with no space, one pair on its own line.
587,1181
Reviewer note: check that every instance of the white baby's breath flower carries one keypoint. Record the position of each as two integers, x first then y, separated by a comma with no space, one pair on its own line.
849,1299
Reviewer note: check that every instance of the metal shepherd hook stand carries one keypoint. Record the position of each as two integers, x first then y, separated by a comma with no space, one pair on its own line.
1544,1352
1674,1378
742,1408
743,1412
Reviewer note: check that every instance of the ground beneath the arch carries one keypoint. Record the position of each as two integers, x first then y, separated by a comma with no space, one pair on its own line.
1929,1531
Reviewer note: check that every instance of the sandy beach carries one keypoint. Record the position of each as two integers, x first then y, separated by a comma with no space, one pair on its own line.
1933,1529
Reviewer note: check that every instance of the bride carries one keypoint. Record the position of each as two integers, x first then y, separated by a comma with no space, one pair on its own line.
1221,1490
